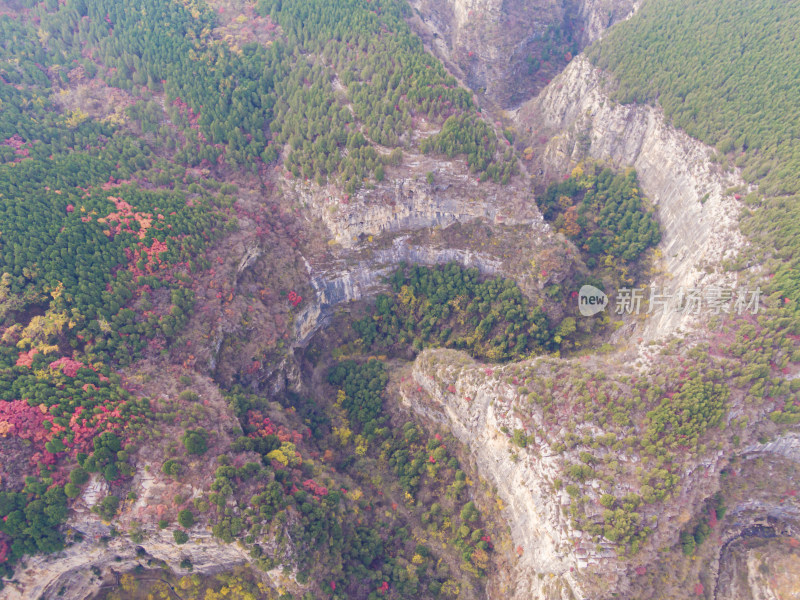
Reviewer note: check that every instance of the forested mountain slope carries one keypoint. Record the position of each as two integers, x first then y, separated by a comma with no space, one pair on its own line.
729,75
229,341
724,72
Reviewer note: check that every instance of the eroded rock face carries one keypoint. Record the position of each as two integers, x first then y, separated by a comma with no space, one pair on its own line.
598,15
409,202
479,404
489,40
699,220
344,283
406,203
539,530
44,576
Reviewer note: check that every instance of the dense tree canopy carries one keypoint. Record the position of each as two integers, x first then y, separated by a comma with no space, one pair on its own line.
726,72
450,306
603,212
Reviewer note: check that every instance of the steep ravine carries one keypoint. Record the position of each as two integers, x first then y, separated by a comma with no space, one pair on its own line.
700,231
491,45
675,173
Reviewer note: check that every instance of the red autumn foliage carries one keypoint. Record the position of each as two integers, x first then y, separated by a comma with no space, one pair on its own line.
68,366
185,109
15,141
712,517
315,488
19,419
698,589
26,358
261,425
295,298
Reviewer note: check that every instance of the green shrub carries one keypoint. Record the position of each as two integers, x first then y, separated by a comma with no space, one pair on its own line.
180,536
186,518
195,441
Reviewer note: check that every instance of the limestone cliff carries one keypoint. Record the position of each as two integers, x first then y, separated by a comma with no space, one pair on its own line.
408,202
598,15
70,569
475,412
344,282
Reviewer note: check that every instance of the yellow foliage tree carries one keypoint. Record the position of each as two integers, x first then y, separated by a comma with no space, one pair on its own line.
75,118
278,456
361,445
340,397
343,434
128,583
406,296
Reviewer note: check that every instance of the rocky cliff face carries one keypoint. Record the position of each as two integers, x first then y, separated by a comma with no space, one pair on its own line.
45,576
409,202
355,266
481,407
598,15
475,413
489,40
699,219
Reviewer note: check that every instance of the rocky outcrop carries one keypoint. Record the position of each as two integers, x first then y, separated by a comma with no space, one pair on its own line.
699,219
598,15
489,40
787,446
409,202
45,576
